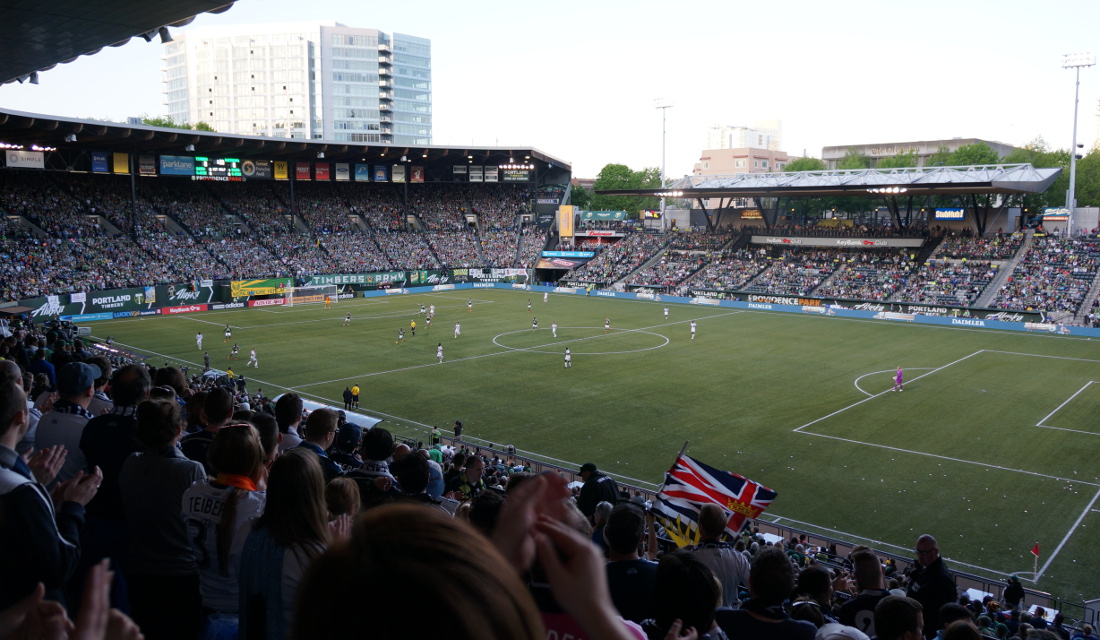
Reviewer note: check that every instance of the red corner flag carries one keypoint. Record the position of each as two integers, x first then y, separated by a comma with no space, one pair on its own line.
1035,550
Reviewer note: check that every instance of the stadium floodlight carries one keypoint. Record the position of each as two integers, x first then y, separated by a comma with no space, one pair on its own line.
34,78
190,148
320,155
663,104
1075,61
70,138
165,37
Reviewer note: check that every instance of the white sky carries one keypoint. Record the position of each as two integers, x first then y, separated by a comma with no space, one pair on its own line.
578,80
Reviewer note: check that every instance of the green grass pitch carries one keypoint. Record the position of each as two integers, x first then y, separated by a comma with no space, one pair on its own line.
991,447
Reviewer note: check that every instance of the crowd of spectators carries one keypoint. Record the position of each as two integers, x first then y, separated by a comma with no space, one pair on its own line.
1054,275
354,253
1002,246
833,228
499,247
867,275
948,282
731,271
497,205
407,250
617,260
669,271
796,272
456,248
533,242
440,207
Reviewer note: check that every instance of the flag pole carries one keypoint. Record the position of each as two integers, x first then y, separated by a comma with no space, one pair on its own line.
665,479
1035,570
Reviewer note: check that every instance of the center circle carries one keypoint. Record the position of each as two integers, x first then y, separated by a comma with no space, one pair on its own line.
559,344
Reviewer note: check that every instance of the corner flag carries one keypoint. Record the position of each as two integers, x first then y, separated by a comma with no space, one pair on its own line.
1035,550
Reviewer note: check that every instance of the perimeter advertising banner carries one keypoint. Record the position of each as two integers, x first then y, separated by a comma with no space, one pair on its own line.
264,287
25,159
398,173
147,164
302,171
132,301
257,169
321,171
381,173
417,174
282,170
120,162
99,163
343,171
603,215
362,173
565,221
177,166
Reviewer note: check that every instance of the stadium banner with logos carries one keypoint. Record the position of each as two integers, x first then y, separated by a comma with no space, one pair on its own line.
491,174
263,287
417,174
516,175
651,214
302,171
950,213
569,254
256,169
25,159
398,173
544,220
120,162
603,215
362,173
565,221
99,162
343,172
381,173
147,164
320,171
1055,214
864,243
476,174
282,170
177,166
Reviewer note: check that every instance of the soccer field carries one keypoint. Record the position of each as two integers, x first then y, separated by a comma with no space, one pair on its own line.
991,447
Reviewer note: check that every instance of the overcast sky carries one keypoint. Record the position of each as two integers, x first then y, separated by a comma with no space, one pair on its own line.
578,80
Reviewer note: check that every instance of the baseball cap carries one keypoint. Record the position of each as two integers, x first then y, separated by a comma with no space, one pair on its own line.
75,377
836,631
588,467
349,436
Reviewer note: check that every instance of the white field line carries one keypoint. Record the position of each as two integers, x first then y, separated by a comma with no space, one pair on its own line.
842,410
1069,533
875,373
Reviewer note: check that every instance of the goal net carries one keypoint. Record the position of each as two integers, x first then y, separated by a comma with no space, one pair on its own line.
319,294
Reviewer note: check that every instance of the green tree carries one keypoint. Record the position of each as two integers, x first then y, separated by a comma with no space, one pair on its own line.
900,161
978,153
854,159
1038,154
168,123
942,157
580,197
1088,181
805,164
622,177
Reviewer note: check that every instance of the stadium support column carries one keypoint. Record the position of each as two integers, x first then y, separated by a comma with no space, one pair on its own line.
133,202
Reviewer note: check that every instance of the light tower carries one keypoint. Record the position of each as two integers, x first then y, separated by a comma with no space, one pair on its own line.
1075,61
664,105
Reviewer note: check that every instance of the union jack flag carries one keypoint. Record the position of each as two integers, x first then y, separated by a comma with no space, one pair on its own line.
690,484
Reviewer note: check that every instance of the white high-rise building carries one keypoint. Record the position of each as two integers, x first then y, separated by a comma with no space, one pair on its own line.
764,134
302,80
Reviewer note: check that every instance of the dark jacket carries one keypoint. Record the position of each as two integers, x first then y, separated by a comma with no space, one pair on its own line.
932,586
599,488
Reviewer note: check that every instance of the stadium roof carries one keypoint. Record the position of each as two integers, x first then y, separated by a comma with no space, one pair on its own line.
37,35
71,137
913,181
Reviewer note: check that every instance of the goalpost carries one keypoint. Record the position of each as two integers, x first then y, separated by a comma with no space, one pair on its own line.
317,294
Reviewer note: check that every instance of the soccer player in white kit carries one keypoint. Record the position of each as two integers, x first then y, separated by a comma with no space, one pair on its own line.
252,359
439,352
666,313
198,340
431,310
692,329
546,296
554,328
568,358
458,329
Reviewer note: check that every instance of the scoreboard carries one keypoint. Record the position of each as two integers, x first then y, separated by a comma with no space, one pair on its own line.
217,168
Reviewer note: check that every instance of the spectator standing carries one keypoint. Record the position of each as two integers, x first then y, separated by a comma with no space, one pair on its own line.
318,435
65,424
730,566
762,617
931,583
288,413
597,488
630,576
859,612
162,572
899,618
